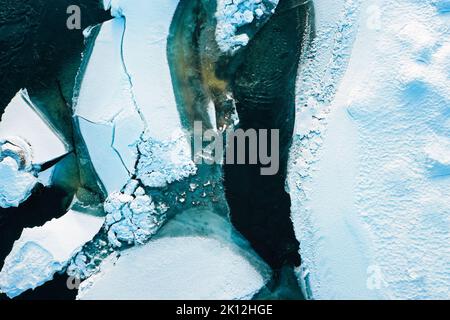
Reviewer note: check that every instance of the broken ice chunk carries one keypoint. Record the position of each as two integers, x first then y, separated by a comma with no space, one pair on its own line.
162,163
105,91
131,219
43,251
232,15
195,247
27,141
108,119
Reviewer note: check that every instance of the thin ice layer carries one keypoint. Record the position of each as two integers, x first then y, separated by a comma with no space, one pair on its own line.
43,251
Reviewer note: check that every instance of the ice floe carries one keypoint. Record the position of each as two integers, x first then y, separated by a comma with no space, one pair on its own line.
27,141
107,117
128,99
21,119
196,246
43,251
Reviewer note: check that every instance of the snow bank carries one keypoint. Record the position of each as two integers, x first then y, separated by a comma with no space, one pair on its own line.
196,247
43,251
369,175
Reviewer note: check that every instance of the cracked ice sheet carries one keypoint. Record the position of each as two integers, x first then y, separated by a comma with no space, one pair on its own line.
107,117
370,202
43,251
195,247
142,109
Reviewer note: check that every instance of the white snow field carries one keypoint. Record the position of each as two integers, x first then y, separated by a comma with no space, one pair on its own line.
369,172
43,251
196,255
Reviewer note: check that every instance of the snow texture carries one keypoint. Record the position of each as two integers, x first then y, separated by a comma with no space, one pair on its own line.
369,174
196,247
43,251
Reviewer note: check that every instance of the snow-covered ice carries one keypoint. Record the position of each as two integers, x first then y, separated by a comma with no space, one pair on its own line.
43,251
164,162
196,247
369,175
